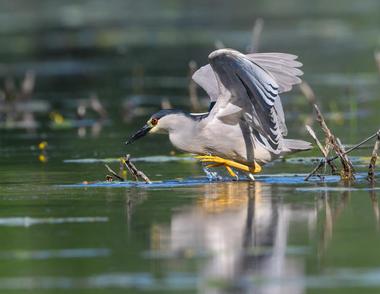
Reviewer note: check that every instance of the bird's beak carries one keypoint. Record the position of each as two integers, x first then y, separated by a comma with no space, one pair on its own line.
139,134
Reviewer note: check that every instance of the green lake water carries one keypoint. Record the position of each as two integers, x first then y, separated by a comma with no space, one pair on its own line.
184,234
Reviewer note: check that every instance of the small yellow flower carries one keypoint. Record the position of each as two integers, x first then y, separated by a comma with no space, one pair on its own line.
42,158
57,118
42,145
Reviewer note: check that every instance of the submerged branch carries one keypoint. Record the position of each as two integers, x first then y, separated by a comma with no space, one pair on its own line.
133,170
113,173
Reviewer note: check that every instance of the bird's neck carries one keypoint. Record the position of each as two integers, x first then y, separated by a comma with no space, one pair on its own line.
183,135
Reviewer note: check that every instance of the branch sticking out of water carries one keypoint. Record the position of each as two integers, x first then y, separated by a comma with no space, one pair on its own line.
324,161
133,170
308,92
314,136
256,35
372,164
348,170
325,151
194,100
113,173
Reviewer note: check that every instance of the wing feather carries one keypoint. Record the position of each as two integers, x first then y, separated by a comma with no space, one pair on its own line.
284,70
283,67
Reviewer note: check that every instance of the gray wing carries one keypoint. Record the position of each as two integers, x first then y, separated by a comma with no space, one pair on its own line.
206,78
281,66
248,96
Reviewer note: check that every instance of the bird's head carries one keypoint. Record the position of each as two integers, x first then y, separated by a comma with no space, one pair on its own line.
163,121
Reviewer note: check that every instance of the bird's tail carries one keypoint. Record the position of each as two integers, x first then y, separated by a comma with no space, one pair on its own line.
297,145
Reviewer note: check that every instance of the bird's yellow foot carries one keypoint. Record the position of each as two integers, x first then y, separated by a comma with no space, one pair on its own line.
228,164
230,171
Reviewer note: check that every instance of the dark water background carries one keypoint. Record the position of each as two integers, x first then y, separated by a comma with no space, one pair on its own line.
264,237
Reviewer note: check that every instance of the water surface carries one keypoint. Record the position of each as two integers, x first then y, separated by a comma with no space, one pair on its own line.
275,235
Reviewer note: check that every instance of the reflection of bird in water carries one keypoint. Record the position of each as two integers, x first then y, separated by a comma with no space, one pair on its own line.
245,231
245,126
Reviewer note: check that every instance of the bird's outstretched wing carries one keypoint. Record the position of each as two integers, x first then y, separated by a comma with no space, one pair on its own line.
246,88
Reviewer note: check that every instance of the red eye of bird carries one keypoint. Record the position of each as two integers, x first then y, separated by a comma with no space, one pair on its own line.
154,121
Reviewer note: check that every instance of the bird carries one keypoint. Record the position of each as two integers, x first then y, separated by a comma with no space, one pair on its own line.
244,127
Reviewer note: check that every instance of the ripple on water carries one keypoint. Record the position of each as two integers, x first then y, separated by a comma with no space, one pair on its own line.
51,254
145,281
280,179
27,221
336,278
158,159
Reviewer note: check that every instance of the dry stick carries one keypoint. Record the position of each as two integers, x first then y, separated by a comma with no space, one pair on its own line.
218,44
314,171
372,164
134,171
310,96
348,170
165,103
124,160
323,161
27,85
356,146
256,35
308,92
194,100
325,151
313,135
113,173
97,106
377,59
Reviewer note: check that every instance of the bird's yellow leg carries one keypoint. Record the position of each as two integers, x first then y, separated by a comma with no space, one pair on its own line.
230,171
214,165
256,168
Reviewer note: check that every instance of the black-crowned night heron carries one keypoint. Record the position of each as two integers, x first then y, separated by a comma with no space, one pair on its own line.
245,125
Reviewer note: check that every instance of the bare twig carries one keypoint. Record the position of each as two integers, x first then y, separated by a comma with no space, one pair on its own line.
218,44
134,171
113,173
331,141
320,146
27,85
325,151
194,100
377,59
316,169
372,164
308,92
97,106
323,161
165,104
256,35
355,146
348,170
